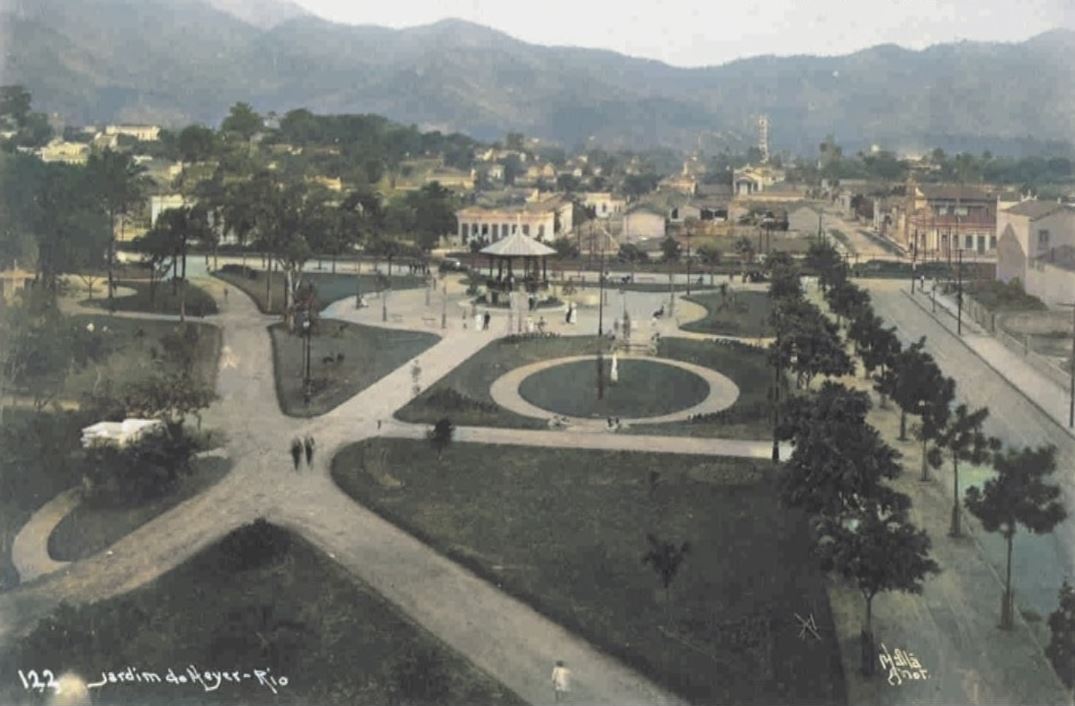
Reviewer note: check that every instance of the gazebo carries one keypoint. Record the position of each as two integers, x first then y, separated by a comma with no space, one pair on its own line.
518,246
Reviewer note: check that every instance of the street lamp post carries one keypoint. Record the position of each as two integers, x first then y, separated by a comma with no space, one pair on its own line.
601,331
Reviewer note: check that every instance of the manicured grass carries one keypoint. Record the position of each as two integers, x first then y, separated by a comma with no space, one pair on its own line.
330,287
747,366
285,607
138,352
644,389
565,530
463,394
165,301
91,528
36,466
743,314
368,354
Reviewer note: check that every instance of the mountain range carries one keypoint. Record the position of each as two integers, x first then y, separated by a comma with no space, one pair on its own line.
177,61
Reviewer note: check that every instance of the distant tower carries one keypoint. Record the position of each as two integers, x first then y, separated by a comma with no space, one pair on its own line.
763,137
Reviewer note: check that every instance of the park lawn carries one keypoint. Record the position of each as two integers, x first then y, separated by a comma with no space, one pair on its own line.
369,353
463,394
330,287
137,353
739,313
644,389
288,609
35,467
199,302
91,528
750,417
565,531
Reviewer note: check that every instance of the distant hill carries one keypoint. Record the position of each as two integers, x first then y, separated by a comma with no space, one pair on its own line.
176,61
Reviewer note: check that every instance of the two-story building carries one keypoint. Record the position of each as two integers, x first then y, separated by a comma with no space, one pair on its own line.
1037,240
943,219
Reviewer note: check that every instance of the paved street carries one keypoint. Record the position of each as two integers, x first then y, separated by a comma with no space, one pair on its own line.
1041,563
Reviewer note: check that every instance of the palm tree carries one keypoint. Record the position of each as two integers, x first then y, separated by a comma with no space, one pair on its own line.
119,183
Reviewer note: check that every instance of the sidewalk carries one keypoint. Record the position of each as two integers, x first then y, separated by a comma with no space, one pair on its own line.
1042,392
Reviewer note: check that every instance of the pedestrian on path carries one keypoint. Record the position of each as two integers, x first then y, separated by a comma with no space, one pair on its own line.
308,443
296,452
486,321
561,680
225,296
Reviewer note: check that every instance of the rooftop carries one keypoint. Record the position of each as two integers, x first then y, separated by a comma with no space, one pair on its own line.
517,245
1035,209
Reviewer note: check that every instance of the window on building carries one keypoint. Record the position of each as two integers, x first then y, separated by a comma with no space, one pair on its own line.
968,242
981,243
960,210
1043,239
992,242
541,231
526,229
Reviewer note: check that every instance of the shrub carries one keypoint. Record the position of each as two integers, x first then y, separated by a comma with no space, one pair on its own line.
253,545
449,399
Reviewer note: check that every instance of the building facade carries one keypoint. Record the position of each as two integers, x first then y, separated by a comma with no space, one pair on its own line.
542,219
144,133
943,220
1035,246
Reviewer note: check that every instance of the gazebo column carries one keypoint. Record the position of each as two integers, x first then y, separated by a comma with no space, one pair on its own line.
545,270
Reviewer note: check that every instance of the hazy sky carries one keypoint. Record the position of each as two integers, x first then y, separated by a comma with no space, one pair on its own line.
699,32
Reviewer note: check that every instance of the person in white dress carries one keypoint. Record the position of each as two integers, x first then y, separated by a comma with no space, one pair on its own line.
561,680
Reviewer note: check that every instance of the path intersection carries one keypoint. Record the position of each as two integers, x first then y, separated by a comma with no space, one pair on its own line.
499,634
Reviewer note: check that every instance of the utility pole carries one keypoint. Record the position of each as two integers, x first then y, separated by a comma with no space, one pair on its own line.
914,260
688,261
959,295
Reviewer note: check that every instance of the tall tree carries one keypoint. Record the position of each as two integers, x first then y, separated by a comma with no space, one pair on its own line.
1018,495
119,184
196,143
963,440
840,463
914,382
878,552
934,410
242,121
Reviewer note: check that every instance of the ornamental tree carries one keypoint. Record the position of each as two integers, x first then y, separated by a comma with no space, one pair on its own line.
878,552
840,462
963,440
1018,495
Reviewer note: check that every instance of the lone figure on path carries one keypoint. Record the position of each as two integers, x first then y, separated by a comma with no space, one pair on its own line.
296,452
561,680
308,443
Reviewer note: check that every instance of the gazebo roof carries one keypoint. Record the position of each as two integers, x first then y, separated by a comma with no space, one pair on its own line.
517,245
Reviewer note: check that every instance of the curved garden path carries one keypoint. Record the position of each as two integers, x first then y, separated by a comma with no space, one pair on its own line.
30,548
505,392
499,634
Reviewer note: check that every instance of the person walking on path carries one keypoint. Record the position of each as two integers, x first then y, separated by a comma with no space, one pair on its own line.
308,443
225,296
296,452
561,680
